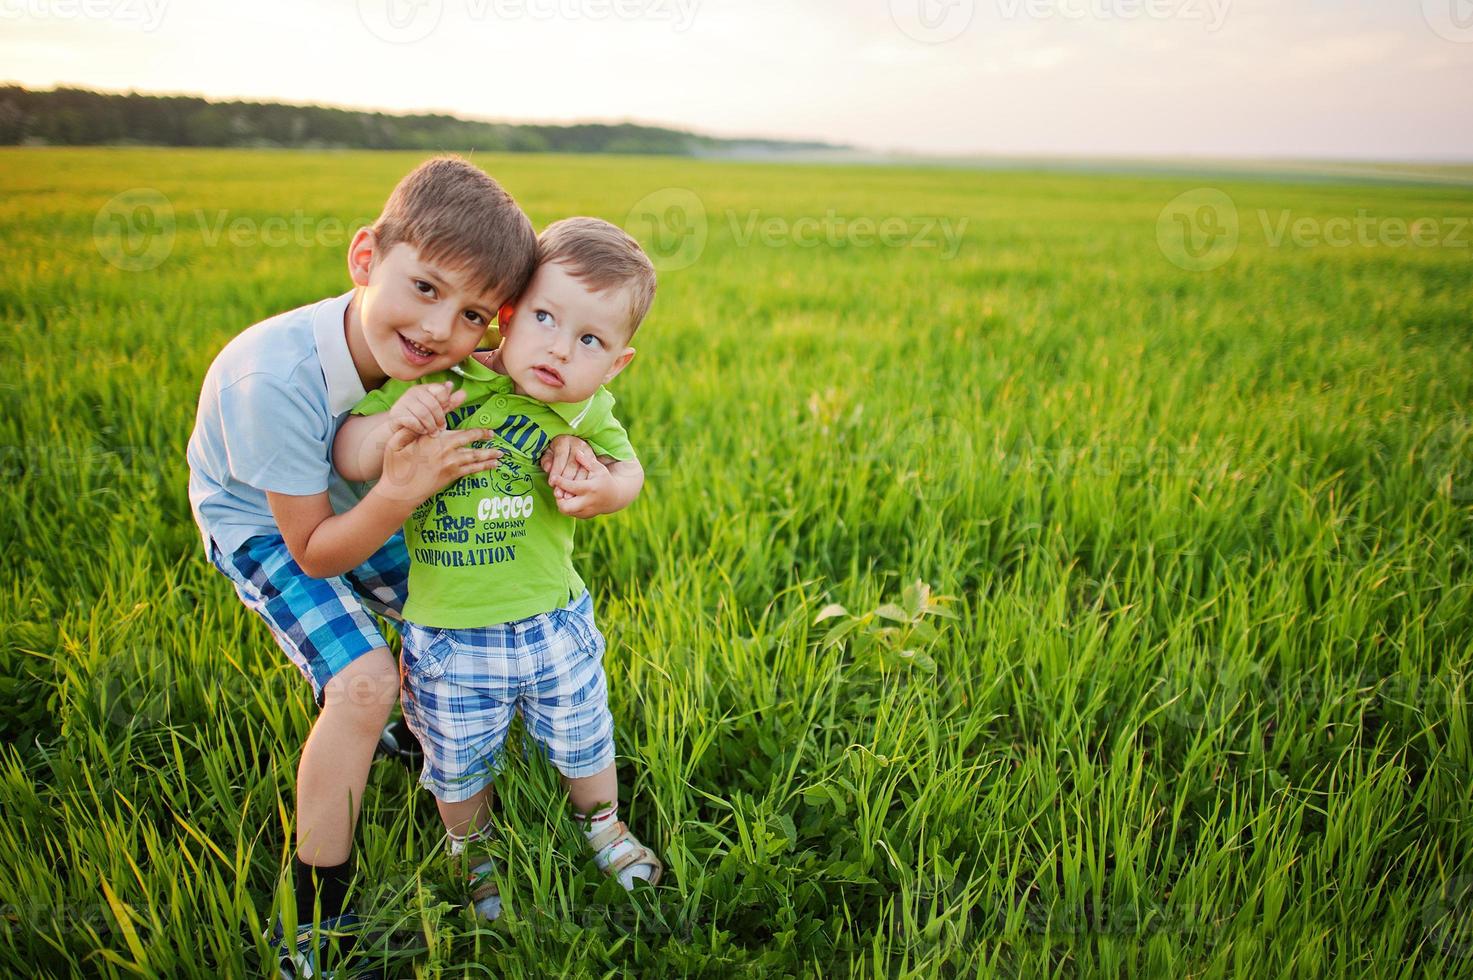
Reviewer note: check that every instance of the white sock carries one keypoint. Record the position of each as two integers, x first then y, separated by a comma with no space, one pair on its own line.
489,906
597,824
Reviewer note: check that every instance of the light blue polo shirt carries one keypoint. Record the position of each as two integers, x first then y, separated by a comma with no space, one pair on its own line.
271,404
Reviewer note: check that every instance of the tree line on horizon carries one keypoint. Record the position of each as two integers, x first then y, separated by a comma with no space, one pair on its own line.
79,117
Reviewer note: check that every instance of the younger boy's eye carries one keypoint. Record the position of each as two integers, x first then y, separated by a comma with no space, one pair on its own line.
544,317
593,337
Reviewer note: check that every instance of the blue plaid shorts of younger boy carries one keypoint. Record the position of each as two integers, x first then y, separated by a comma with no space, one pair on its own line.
461,687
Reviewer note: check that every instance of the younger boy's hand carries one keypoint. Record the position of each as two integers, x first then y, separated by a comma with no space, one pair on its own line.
416,467
422,408
560,459
587,493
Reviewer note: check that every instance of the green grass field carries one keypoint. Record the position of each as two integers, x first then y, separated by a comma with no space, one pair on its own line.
1188,694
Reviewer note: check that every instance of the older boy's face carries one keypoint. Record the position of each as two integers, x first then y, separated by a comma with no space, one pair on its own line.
565,340
418,317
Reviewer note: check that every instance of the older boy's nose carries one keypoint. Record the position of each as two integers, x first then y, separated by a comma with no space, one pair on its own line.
438,328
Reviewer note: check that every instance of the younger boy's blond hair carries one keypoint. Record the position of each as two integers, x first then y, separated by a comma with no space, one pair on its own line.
454,213
602,256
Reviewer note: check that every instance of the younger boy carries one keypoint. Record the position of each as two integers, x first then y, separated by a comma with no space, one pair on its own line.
301,550
497,618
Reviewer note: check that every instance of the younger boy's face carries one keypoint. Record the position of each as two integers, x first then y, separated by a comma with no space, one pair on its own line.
563,340
417,317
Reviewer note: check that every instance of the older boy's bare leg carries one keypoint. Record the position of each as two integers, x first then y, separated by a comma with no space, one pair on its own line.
335,760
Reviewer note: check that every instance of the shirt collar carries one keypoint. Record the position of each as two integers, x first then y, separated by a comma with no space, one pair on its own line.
570,412
344,387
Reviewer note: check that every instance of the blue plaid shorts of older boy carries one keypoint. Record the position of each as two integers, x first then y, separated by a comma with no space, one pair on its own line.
461,688
323,624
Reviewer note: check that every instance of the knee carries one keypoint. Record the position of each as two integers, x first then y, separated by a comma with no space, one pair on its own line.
364,693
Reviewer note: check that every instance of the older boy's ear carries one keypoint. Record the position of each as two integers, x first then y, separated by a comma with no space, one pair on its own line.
504,315
360,256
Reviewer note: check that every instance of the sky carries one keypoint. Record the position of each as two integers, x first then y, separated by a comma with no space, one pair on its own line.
1322,79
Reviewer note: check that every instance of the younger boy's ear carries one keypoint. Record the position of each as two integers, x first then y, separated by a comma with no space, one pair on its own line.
360,256
619,364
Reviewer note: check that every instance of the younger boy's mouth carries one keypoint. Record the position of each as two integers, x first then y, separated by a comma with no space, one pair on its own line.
548,376
414,353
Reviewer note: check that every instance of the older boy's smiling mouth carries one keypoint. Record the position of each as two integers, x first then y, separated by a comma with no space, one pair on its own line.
416,353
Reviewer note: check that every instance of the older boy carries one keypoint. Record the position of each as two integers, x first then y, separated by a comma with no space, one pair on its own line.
301,550
498,620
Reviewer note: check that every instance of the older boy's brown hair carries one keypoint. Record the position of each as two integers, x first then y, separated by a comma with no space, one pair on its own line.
455,214
601,256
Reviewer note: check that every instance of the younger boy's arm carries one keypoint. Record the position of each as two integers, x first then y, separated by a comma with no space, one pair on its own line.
603,485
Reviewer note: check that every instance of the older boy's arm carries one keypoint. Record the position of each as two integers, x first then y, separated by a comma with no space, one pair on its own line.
415,467
325,544
358,448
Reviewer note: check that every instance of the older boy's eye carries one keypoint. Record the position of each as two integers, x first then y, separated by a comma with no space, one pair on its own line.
475,318
424,288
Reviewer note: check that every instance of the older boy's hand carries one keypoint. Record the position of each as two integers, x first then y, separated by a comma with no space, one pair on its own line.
422,408
418,466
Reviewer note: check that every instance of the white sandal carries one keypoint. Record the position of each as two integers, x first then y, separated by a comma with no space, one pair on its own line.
637,853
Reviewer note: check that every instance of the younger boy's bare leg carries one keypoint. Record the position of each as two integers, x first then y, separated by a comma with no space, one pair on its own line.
467,824
587,793
595,801
467,815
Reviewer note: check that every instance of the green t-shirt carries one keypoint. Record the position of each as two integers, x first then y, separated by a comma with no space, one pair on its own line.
493,547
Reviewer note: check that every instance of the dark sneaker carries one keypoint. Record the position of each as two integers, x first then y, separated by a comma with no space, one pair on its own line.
398,742
301,958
